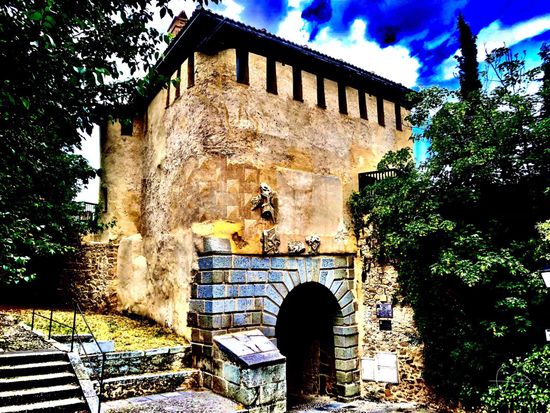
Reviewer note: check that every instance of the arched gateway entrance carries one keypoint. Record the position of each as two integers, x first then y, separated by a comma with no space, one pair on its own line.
306,303
305,336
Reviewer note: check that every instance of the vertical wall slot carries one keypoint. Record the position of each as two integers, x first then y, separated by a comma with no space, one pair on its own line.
191,70
342,99
271,75
297,84
321,101
362,105
398,121
380,110
242,66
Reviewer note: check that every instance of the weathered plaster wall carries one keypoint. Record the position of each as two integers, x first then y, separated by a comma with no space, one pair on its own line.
120,192
201,159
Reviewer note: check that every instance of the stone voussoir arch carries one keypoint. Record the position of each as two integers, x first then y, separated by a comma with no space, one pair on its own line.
340,282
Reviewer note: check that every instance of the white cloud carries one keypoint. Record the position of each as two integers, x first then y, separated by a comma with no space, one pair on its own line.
392,62
496,35
231,9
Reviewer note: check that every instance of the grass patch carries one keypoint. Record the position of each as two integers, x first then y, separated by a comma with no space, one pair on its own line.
128,333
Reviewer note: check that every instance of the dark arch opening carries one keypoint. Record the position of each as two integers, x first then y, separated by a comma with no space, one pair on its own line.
305,336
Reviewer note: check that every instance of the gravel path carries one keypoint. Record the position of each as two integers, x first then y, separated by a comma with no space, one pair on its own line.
15,337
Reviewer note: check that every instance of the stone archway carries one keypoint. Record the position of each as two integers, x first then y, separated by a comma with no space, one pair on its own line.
305,336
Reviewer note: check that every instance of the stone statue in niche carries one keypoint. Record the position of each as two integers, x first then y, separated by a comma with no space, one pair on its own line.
270,241
296,247
267,201
314,242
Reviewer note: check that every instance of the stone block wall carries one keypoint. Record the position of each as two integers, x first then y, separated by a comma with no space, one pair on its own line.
90,276
122,363
239,292
381,286
259,384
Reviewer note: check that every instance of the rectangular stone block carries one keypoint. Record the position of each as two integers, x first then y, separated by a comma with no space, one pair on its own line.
272,392
348,309
287,280
242,319
211,291
215,261
345,330
291,264
335,286
347,376
348,390
268,331
205,277
277,263
219,385
229,305
281,289
246,290
340,274
346,365
340,262
341,290
197,306
275,276
345,353
295,277
236,276
273,295
269,320
270,306
256,276
214,306
327,263
241,262
302,271
245,304
345,341
232,373
259,290
241,394
346,299
260,263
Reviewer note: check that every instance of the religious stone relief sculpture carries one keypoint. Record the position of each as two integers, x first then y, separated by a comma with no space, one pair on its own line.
270,241
314,242
296,247
267,201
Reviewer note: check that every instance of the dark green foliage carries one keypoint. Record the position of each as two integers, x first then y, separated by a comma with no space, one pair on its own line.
59,77
522,384
463,231
467,61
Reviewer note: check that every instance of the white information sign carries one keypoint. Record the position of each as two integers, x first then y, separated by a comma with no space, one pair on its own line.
383,368
547,334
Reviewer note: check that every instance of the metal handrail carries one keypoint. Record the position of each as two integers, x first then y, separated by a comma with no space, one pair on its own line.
74,335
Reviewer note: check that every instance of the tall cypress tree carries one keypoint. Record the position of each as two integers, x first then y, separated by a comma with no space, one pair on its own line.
467,62
545,89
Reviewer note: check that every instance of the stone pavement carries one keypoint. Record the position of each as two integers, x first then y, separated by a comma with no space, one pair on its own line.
178,401
206,401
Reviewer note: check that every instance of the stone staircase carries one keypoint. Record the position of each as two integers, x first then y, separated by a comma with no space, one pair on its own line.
39,381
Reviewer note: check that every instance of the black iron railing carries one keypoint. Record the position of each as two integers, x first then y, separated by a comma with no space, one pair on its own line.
88,212
366,179
75,336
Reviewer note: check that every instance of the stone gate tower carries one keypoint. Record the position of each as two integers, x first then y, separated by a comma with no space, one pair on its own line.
229,196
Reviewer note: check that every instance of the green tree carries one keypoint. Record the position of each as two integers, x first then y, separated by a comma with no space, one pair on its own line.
62,72
467,62
462,230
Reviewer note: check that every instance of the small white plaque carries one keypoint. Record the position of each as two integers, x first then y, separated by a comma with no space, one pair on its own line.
547,334
368,366
386,368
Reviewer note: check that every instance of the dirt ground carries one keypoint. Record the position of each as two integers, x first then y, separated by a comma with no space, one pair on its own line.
15,337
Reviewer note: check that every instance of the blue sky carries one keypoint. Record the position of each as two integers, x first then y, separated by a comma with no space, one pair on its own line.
408,41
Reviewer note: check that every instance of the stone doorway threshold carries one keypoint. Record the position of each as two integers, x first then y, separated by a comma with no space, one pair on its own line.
189,401
324,404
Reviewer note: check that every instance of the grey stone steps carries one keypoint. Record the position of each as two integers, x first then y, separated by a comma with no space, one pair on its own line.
27,357
38,380
71,405
34,368
39,394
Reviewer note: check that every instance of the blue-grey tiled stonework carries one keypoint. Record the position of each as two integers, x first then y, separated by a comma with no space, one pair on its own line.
239,292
